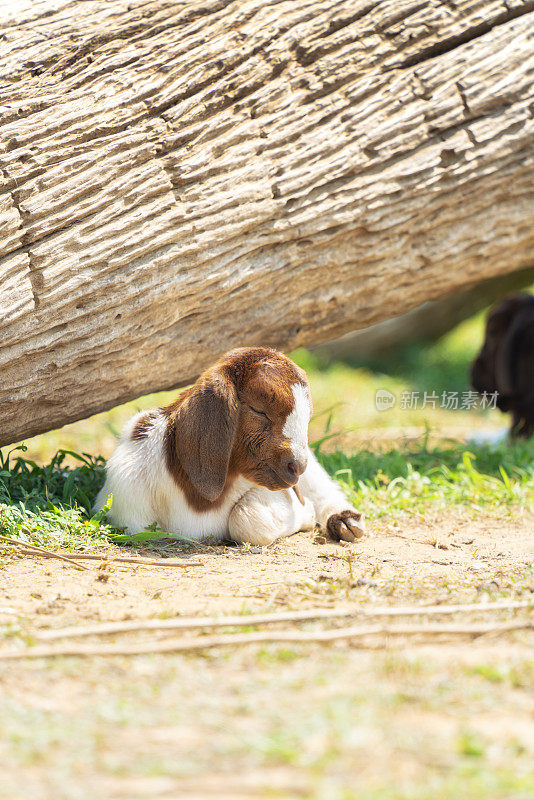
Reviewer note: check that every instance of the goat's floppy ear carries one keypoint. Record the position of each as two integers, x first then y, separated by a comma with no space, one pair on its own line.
205,426
511,351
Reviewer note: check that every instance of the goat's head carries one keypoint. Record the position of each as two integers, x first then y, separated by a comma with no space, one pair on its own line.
246,416
505,363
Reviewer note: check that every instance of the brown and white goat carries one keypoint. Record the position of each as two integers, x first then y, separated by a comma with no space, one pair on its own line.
505,363
223,459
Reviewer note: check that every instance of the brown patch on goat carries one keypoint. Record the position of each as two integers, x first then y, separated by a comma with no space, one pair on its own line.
229,424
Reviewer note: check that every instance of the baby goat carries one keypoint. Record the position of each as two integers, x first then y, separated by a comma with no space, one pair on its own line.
229,458
505,363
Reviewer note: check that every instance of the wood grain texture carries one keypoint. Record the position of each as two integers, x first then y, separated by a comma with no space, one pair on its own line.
180,178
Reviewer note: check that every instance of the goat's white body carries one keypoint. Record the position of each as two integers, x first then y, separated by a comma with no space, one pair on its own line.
261,516
145,493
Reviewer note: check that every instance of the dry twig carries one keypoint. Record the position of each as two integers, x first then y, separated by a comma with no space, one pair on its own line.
296,637
32,549
150,562
190,623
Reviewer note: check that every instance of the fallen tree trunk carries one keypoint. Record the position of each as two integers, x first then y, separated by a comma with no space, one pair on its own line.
425,323
181,178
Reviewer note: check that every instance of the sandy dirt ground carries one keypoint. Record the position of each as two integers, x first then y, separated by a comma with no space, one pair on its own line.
404,718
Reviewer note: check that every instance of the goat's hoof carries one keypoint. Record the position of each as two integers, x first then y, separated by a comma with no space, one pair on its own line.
347,526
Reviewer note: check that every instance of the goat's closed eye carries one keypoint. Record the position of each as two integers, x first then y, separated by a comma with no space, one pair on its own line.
260,413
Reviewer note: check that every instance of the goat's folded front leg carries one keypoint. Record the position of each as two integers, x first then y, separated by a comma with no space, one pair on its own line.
262,516
332,509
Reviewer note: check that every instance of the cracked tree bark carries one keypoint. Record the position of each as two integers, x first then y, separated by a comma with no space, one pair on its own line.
180,178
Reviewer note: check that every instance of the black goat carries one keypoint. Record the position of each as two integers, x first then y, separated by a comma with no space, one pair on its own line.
505,363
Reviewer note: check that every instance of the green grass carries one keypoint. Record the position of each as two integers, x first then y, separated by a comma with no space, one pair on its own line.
50,505
33,487
415,479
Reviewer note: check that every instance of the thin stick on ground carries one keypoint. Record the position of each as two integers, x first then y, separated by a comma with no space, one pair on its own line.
190,623
261,583
39,551
296,637
149,562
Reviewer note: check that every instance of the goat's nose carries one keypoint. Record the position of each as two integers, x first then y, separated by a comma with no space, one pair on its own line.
295,467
